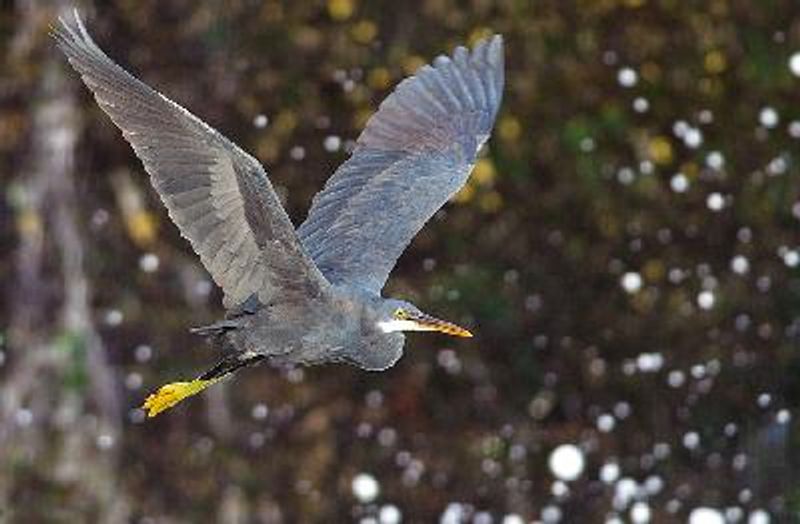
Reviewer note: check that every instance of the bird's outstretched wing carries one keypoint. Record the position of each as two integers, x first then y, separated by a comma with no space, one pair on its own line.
218,195
414,154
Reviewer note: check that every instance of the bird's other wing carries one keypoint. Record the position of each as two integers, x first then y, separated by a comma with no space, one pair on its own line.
218,195
415,153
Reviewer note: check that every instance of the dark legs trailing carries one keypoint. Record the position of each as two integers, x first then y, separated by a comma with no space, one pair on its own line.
229,365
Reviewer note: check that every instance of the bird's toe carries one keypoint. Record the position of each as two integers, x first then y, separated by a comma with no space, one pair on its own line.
170,394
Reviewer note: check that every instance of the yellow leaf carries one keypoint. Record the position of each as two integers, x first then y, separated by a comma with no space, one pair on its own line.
341,9
484,172
411,63
509,128
466,194
142,227
715,62
360,118
379,78
478,33
491,202
364,31
660,150
285,122
653,270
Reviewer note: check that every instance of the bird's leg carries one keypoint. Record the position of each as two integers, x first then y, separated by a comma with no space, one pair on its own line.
170,394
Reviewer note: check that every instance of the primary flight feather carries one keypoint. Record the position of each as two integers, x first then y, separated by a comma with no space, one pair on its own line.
310,296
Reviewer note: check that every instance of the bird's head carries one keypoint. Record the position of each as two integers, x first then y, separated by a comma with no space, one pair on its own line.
399,315
384,322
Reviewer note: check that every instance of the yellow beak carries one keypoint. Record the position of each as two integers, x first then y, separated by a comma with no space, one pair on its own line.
429,323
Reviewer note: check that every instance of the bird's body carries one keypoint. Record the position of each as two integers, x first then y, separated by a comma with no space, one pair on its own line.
343,328
311,295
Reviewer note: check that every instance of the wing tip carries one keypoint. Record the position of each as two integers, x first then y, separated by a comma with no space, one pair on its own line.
487,49
66,24
70,33
490,49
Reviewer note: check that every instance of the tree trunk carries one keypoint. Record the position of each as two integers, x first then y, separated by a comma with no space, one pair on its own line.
60,408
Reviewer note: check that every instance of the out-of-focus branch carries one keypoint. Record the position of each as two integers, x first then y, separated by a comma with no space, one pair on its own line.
43,421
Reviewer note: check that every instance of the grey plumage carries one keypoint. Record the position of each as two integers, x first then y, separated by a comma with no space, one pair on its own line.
218,195
414,154
310,296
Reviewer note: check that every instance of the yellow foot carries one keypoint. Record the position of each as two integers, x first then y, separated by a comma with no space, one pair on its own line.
170,394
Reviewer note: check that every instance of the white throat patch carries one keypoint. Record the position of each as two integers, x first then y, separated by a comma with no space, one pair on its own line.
390,326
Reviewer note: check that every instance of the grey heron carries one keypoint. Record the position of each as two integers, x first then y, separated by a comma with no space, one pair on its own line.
310,295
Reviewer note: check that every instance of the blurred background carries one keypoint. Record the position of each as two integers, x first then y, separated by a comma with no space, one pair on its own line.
627,252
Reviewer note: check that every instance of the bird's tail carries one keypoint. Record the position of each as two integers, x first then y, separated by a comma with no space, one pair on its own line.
170,394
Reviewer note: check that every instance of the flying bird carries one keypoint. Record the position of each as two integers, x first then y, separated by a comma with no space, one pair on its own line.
310,295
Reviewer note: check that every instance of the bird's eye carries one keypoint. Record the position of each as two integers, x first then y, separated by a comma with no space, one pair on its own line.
400,314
